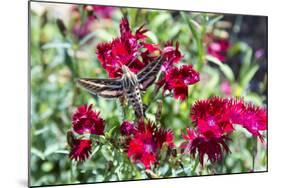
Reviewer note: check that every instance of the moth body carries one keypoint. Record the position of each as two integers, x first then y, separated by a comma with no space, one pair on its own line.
132,91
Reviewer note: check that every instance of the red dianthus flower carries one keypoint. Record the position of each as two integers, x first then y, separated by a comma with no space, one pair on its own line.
146,143
86,120
80,149
213,147
172,55
178,79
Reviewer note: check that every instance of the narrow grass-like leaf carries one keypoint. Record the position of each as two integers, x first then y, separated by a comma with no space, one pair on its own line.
248,76
223,67
214,20
57,45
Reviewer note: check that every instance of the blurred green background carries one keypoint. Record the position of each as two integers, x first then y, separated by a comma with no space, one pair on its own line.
57,58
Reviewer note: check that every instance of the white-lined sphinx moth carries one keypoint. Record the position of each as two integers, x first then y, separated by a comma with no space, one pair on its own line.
129,85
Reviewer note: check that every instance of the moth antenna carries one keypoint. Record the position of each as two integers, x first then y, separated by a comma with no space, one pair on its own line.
133,60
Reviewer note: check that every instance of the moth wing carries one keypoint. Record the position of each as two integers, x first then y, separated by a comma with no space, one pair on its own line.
148,75
108,88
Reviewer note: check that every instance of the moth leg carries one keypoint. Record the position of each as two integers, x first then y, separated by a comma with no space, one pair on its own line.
141,87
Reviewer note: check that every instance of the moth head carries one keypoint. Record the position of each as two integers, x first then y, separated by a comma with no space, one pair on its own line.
125,69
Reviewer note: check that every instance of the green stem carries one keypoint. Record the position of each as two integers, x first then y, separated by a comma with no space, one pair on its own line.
254,152
195,166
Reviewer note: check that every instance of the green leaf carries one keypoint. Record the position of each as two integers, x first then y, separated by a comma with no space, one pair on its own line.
51,149
104,35
97,148
38,153
246,62
214,20
223,67
62,152
87,38
57,45
238,47
174,31
247,77
191,25
69,62
198,33
160,19
112,130
152,37
164,169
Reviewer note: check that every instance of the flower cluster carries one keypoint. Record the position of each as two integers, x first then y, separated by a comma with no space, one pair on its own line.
129,49
214,120
84,121
176,79
146,143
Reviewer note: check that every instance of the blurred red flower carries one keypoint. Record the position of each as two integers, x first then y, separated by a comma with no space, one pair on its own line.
178,79
218,47
82,27
80,149
103,11
146,143
86,120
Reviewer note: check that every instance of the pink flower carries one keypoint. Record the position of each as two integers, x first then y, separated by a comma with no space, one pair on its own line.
80,149
103,11
225,88
86,120
146,143
178,80
126,50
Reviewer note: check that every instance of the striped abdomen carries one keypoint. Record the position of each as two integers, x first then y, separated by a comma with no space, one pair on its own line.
134,98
